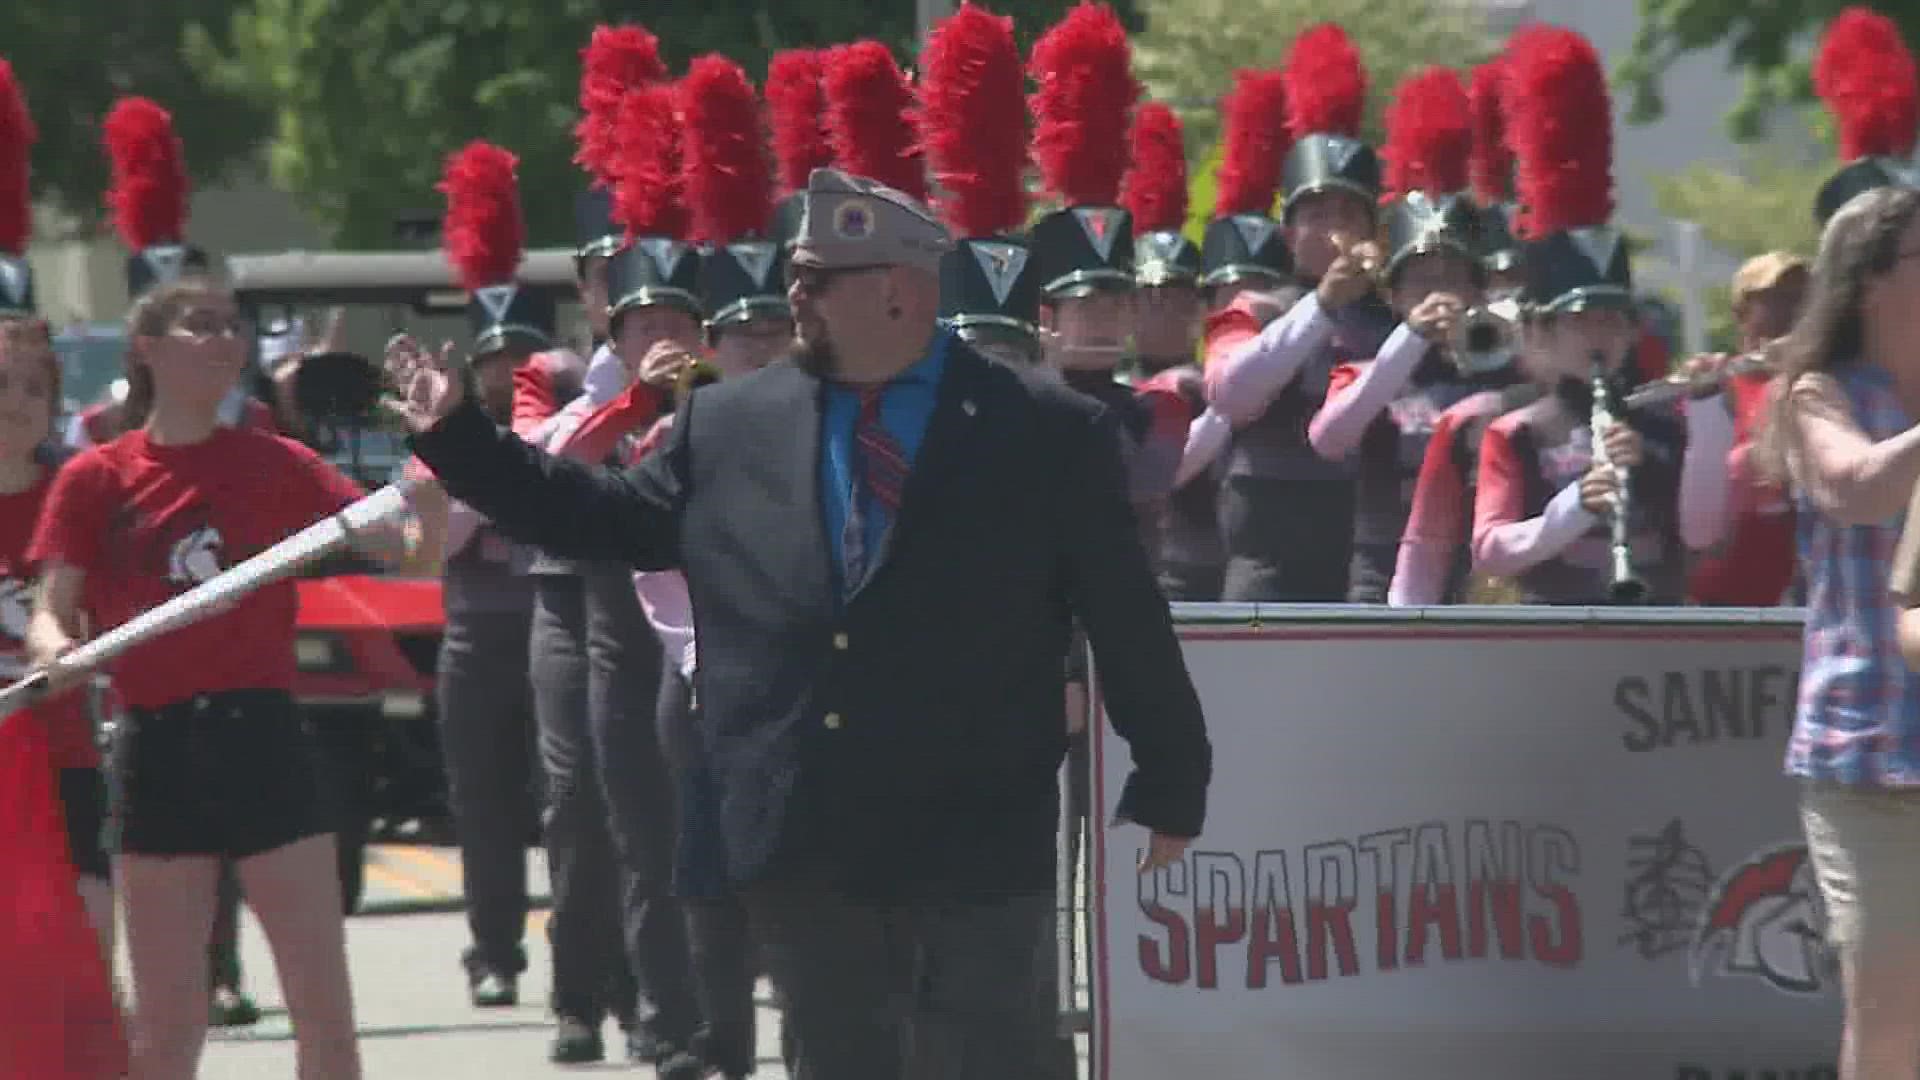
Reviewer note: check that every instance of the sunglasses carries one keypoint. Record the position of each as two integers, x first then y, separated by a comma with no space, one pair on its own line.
815,280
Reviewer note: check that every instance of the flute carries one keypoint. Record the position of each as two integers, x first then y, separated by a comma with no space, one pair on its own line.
1678,384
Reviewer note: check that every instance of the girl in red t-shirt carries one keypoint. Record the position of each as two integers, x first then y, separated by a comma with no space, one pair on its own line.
29,395
211,761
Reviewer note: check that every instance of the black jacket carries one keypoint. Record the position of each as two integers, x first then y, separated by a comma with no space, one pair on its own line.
907,741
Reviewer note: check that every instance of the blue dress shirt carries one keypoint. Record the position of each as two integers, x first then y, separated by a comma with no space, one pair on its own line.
905,407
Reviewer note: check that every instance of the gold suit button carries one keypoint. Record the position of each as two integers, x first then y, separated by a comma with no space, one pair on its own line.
840,642
832,721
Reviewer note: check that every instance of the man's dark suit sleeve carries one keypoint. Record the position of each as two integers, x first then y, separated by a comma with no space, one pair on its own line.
1142,675
565,507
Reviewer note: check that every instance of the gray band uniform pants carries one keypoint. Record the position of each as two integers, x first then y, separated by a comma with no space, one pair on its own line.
624,661
486,737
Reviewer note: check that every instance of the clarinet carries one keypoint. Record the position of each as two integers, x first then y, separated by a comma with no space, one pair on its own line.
1623,585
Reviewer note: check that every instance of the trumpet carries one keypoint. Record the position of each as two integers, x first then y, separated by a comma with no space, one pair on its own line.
1678,384
1486,338
695,374
1623,585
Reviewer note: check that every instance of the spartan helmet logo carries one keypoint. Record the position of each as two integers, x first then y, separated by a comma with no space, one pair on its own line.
755,258
165,260
1763,921
1255,231
663,253
496,299
1001,265
13,282
1340,151
195,558
16,608
1600,244
1102,226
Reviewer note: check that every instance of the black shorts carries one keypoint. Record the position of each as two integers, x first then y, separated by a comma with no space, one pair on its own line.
83,799
230,774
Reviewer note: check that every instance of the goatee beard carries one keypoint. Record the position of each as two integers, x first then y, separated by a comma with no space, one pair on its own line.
816,357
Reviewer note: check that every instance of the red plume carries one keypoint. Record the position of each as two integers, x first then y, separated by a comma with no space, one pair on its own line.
1492,162
1560,126
796,110
16,138
1866,76
1326,83
483,229
1429,134
148,196
646,195
1254,114
616,59
972,121
1155,192
868,100
1083,106
728,180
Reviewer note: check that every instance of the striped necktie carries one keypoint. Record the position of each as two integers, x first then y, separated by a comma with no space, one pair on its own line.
880,475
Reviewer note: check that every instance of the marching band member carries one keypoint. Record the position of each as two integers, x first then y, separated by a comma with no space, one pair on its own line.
972,85
1382,412
1083,256
1278,494
590,981
210,761
1749,556
486,722
1084,251
1545,496
729,193
653,289
1246,269
1434,555
1171,316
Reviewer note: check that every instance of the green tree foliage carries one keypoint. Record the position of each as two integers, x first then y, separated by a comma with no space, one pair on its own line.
369,96
1764,205
1191,48
1770,43
74,58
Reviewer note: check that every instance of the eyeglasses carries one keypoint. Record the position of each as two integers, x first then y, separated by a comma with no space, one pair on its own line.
815,280
204,325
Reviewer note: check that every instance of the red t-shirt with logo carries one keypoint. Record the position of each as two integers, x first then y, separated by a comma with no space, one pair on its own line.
148,522
69,731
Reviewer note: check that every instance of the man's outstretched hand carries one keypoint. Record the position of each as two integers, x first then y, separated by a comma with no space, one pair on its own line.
430,386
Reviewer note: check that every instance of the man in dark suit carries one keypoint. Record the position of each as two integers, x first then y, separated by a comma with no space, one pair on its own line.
886,539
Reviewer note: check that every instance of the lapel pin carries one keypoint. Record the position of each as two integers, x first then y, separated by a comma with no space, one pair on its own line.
968,407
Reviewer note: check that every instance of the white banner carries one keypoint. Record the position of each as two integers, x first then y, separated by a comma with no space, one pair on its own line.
1497,851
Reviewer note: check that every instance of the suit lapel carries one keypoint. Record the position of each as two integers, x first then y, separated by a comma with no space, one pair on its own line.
951,432
793,412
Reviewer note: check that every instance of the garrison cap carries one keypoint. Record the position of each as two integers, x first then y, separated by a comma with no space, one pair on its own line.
849,221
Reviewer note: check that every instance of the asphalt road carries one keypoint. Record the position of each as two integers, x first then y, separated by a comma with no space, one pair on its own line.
410,995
